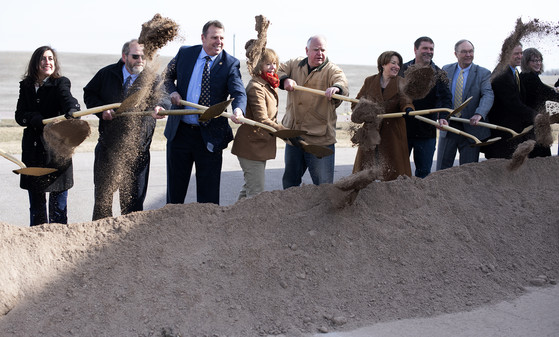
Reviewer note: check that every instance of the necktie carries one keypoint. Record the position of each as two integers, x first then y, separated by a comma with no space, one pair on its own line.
205,91
127,84
459,89
517,78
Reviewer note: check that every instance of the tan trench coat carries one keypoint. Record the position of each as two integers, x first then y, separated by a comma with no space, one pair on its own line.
392,154
252,142
311,112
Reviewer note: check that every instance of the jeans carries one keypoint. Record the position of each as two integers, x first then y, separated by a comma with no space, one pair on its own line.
57,207
423,151
297,161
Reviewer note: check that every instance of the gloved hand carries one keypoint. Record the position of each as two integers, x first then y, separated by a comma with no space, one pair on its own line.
296,141
37,121
70,114
408,110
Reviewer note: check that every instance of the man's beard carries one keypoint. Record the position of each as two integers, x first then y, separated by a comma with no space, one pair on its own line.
137,69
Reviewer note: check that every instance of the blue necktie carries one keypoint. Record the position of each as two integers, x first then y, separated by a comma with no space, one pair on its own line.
127,84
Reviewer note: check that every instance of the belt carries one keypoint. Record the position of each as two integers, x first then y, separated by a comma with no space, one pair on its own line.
192,126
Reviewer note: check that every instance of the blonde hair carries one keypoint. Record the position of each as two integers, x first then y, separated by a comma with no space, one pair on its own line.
268,56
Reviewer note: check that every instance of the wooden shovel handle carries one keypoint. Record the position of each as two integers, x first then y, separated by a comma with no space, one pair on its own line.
485,125
12,158
322,93
193,105
83,112
414,113
448,128
162,112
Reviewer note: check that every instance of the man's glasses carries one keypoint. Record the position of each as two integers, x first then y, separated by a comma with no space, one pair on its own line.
136,56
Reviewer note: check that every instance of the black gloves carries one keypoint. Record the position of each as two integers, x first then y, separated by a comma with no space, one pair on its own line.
37,121
408,110
70,113
296,141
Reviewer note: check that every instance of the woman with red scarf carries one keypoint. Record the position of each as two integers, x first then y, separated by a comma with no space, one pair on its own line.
253,145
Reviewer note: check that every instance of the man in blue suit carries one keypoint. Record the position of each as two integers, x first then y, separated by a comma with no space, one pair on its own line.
466,80
188,141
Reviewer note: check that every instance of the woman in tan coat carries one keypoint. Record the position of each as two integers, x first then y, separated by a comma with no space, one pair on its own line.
391,155
253,145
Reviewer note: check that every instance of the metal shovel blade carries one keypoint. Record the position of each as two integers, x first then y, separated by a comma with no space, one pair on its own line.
522,133
317,150
284,134
488,142
457,112
35,171
214,111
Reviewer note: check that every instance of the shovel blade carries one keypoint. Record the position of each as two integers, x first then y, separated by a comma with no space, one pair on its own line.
488,142
318,151
35,171
457,112
214,111
285,134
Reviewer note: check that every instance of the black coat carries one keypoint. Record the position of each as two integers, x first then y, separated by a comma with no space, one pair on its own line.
106,88
439,97
536,91
52,99
510,111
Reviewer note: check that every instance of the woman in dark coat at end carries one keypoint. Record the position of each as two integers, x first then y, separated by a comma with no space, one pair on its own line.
536,92
44,93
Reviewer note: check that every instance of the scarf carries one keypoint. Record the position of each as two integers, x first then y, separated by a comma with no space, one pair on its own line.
271,78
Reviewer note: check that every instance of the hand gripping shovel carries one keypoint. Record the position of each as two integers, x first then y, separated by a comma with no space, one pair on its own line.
459,132
30,171
323,93
495,127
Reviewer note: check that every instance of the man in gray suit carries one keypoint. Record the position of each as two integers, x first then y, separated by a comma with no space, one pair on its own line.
466,80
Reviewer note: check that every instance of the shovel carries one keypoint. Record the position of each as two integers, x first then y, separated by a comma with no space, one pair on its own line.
162,113
316,150
209,112
459,132
219,110
30,171
451,112
495,127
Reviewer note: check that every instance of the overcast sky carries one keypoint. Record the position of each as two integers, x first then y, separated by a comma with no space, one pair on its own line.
357,31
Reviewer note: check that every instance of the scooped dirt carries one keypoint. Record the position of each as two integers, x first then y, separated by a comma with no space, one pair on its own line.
289,262
156,33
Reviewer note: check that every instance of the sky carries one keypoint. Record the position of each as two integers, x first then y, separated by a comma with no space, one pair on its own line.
356,31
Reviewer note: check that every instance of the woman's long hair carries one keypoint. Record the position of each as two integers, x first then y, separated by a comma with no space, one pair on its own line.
32,74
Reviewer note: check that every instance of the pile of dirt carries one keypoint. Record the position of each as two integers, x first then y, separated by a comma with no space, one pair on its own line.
289,262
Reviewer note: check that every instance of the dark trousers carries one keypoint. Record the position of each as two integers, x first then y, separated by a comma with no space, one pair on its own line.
128,176
58,211
184,151
423,152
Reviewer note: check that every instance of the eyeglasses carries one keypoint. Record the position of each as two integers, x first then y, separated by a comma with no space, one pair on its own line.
536,60
136,56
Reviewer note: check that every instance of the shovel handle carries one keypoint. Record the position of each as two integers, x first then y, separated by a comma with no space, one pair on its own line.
193,105
162,112
12,159
448,128
486,125
413,113
83,112
322,93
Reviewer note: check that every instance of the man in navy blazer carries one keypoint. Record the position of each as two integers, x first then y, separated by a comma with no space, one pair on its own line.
188,141
476,84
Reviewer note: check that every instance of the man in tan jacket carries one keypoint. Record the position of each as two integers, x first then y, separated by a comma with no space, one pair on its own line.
310,112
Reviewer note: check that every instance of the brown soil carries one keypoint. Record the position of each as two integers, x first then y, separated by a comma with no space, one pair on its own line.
156,33
289,262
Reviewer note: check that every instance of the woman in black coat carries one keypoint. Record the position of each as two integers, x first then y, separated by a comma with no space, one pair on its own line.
44,93
536,92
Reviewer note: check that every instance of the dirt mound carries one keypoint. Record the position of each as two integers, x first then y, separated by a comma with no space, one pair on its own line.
289,262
